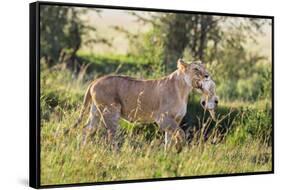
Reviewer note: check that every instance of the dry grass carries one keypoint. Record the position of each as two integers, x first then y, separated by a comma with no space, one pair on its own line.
65,160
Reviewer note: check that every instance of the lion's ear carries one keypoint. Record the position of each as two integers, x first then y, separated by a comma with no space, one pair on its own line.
181,64
199,62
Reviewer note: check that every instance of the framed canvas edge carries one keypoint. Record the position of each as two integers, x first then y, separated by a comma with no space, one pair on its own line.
34,94
272,92
152,9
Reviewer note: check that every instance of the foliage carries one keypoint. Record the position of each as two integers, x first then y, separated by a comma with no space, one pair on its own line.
151,48
195,36
62,32
138,66
253,123
248,80
56,98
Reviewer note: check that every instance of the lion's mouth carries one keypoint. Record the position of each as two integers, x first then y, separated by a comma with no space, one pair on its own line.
198,86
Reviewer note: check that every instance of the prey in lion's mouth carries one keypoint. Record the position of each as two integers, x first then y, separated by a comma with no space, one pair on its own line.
209,100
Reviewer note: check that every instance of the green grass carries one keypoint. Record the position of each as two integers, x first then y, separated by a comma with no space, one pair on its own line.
64,160
244,143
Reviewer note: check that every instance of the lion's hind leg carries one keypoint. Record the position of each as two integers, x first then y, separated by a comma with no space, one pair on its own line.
110,118
91,126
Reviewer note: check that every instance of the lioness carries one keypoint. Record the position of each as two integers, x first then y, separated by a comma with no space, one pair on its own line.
163,100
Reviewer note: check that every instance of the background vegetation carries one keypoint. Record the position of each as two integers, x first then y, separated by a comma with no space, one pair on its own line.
76,48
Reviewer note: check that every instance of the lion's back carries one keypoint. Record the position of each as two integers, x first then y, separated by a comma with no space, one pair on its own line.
112,88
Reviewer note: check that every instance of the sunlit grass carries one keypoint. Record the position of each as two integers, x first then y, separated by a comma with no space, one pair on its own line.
64,159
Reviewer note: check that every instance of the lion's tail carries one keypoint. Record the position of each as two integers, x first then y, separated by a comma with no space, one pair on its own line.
85,108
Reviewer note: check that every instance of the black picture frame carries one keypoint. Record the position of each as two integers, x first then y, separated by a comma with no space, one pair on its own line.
34,93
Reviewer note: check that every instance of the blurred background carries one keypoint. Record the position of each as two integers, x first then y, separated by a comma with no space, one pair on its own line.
147,44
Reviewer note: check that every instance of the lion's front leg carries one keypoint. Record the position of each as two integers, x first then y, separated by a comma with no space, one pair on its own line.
174,135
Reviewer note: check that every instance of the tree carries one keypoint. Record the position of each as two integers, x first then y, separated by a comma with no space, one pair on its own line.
188,32
196,36
62,32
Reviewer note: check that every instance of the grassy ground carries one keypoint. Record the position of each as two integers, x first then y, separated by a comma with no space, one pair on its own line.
239,143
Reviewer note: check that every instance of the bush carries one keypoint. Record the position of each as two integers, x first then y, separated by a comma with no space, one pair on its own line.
59,92
252,124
